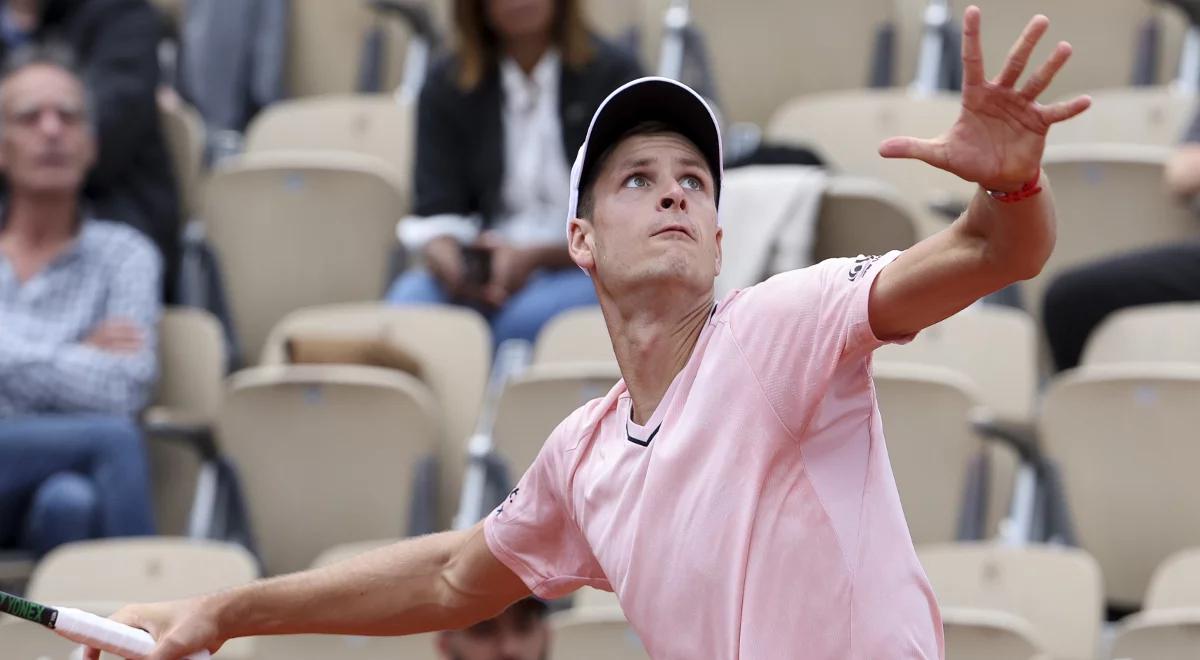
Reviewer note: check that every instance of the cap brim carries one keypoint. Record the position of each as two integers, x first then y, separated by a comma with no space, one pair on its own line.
645,100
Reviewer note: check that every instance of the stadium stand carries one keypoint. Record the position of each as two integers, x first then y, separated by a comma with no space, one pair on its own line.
1168,627
1149,333
986,634
594,634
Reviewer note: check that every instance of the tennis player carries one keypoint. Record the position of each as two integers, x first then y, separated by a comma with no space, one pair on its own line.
734,488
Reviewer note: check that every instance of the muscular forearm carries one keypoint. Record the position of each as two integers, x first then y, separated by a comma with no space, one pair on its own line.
1012,240
397,590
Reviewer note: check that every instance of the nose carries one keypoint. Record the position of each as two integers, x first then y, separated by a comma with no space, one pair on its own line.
50,123
673,198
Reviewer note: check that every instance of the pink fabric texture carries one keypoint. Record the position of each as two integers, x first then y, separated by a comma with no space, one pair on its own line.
755,515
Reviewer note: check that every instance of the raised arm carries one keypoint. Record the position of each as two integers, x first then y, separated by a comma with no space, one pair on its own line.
997,143
436,582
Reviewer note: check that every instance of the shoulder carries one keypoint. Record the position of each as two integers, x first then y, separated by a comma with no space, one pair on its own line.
573,432
117,243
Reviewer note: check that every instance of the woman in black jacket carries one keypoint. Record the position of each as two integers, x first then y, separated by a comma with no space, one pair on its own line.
499,123
116,45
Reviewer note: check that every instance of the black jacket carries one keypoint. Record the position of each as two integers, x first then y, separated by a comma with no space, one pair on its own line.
116,43
460,135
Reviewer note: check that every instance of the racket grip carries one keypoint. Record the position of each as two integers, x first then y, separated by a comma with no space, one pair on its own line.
108,635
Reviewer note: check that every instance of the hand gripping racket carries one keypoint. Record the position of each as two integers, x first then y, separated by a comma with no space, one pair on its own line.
86,628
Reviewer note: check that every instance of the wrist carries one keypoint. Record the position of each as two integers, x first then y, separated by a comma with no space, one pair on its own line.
1029,189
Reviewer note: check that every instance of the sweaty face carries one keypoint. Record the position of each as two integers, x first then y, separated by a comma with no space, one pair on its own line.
654,218
46,144
517,19
517,634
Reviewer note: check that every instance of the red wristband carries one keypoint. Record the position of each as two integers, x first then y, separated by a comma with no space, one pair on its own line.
1028,190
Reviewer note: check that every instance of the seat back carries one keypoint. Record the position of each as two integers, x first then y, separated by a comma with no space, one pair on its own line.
191,363
1176,582
1149,333
594,634
1121,435
327,454
576,335
1134,115
1057,590
1158,635
284,238
863,216
183,129
973,634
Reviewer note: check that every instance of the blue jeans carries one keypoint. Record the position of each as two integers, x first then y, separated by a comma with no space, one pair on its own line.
545,295
68,477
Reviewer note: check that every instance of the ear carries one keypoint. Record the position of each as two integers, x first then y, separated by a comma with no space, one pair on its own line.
719,235
581,243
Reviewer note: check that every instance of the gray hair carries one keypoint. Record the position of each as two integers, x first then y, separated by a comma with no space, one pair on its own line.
47,54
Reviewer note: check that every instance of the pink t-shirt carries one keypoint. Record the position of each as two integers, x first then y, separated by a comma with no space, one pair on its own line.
755,515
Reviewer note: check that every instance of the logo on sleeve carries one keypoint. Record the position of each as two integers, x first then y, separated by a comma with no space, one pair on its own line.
862,264
511,495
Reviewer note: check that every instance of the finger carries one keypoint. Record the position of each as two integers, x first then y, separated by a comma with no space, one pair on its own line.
929,151
90,654
972,50
1018,57
1066,109
1039,81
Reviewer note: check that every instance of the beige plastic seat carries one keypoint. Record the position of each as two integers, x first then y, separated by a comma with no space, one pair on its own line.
926,419
993,346
452,345
745,38
975,634
594,634
576,335
191,359
1056,589
183,129
293,230
139,569
588,598
863,216
1150,333
376,125
1109,199
847,127
345,647
1168,627
1134,115
25,641
537,401
326,454
1121,435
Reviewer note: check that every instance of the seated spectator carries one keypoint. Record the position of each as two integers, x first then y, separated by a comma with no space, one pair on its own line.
115,43
518,633
78,312
1078,300
498,122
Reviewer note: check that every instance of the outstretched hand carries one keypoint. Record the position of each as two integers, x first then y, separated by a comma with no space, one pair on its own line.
1000,134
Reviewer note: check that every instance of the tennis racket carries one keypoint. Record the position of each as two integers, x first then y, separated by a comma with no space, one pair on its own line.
86,628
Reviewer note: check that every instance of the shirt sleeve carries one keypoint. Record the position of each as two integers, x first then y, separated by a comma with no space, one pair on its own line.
79,378
798,327
534,533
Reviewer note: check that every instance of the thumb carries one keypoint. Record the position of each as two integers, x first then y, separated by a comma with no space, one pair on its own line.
929,151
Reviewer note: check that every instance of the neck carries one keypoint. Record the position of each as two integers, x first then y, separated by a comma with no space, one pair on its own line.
653,340
41,222
527,51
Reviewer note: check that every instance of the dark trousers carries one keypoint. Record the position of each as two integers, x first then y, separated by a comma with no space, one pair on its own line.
1079,299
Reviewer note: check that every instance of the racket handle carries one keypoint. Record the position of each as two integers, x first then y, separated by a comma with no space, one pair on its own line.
108,635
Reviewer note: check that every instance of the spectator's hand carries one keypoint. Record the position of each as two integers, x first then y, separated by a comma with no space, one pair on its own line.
999,137
511,268
117,336
180,627
443,257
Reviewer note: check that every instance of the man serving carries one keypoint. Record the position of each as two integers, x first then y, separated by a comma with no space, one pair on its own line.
733,488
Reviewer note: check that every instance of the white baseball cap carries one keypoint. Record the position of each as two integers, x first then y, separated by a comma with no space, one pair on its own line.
648,99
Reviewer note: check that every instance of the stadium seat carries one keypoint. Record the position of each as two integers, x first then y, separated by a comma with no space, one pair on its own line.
594,634
926,414
1109,199
375,125
1056,589
588,598
575,335
139,570
847,127
1158,635
535,402
452,346
1168,332
184,129
329,454
863,216
191,354
754,76
1122,437
292,230
25,641
974,634
1133,115
1176,582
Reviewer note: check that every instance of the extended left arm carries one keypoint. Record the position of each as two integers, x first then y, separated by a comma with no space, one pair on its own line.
998,143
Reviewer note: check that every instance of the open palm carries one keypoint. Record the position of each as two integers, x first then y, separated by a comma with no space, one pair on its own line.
1000,134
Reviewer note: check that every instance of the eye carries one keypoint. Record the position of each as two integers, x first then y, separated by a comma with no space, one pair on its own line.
637,181
691,183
